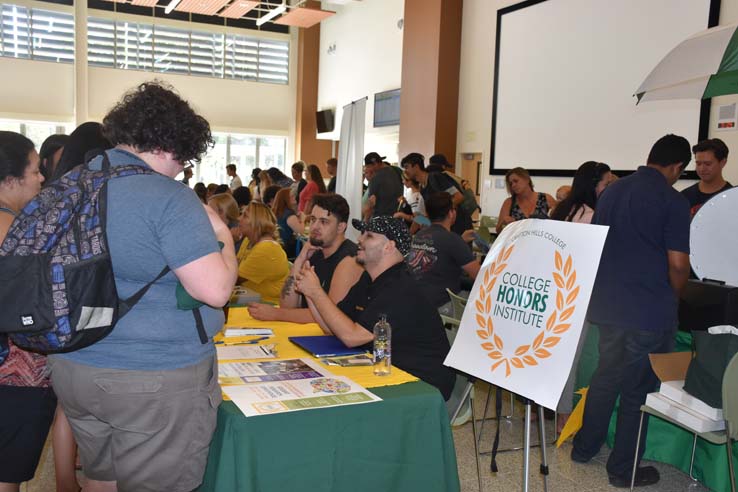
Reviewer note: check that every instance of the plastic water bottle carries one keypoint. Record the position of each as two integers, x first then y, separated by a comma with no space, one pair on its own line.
382,347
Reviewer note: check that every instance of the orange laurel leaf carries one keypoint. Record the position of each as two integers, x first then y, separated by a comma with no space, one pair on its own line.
522,349
497,364
508,253
572,279
559,280
481,291
542,353
488,346
539,340
551,321
482,334
559,300
516,362
486,276
490,328
495,355
557,260
488,304
567,314
480,306
481,321
561,328
551,341
530,360
507,368
498,342
567,266
500,268
572,296
491,285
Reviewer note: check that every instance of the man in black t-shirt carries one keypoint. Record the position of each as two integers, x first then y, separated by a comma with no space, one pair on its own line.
710,158
438,257
419,343
331,166
436,182
331,255
385,185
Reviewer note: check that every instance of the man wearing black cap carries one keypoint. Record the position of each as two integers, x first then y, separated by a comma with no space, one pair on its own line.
419,342
448,168
385,188
436,182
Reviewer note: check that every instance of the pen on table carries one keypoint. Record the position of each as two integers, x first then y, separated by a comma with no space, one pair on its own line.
249,342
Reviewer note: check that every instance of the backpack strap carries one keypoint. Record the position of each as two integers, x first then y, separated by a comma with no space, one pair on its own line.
125,305
200,326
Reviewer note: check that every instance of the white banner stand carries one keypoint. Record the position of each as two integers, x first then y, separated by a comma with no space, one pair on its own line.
522,322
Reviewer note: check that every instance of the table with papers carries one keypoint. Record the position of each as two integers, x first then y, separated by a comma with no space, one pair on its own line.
401,442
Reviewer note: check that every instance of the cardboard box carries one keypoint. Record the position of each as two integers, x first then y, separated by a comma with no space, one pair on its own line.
671,369
674,390
685,416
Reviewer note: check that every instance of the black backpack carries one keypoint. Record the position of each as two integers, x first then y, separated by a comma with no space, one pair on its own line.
56,276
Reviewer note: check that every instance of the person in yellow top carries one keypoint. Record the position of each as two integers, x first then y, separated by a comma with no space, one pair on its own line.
263,266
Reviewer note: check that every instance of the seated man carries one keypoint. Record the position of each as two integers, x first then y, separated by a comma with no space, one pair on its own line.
419,343
438,257
330,254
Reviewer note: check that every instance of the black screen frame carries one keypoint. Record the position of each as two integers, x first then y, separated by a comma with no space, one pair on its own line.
704,122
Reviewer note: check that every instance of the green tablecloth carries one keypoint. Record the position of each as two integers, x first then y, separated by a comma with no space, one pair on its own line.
666,442
401,443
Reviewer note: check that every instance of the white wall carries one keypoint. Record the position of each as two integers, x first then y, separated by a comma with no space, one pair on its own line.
367,60
476,83
44,91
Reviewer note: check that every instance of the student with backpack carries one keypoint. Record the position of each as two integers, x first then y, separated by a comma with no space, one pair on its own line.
27,402
142,401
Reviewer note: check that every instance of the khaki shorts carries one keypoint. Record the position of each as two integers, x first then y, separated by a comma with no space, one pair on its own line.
146,430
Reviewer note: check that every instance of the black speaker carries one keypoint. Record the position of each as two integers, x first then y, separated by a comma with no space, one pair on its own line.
706,304
325,121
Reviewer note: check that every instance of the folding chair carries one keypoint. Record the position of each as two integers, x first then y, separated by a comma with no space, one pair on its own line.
730,414
458,304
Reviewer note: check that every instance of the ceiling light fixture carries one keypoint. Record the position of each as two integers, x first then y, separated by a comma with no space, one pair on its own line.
279,9
171,6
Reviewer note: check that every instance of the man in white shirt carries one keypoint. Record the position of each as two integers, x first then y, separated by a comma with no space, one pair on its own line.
236,180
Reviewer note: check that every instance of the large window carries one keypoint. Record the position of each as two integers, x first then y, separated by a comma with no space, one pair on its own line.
140,46
36,34
37,132
245,151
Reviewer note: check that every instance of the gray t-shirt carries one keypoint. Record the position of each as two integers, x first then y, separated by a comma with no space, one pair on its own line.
153,221
436,259
387,187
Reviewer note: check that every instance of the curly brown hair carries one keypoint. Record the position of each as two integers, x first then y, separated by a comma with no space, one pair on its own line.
153,117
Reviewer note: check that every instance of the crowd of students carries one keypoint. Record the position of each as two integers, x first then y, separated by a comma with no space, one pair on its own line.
141,403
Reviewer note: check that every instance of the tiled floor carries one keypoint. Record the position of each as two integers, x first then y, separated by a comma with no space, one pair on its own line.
565,475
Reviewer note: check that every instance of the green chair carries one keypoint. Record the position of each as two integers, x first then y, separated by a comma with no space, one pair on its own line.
730,414
485,223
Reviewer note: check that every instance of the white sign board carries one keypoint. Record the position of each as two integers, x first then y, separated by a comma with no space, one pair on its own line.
525,313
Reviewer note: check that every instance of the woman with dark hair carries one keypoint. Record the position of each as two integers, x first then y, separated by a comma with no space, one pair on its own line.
221,188
85,142
27,402
201,191
279,178
524,202
254,184
269,194
315,185
242,195
285,210
50,153
579,206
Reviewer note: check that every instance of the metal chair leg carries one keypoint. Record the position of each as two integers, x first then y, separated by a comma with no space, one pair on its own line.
691,460
635,459
729,447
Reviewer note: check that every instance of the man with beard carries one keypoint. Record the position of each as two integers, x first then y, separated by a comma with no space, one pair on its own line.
387,289
330,254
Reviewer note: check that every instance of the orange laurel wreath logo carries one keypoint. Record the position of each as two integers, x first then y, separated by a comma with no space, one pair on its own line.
565,278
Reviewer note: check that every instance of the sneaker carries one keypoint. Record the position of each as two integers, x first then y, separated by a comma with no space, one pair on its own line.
647,475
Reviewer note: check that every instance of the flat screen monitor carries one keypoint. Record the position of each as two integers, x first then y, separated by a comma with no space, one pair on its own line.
387,108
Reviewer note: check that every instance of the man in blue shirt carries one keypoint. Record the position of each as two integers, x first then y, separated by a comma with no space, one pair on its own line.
644,266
